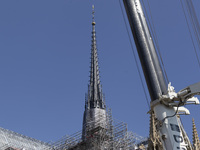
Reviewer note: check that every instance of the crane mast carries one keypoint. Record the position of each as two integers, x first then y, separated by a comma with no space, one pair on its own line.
165,102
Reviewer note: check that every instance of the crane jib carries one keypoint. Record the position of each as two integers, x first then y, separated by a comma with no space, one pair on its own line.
153,72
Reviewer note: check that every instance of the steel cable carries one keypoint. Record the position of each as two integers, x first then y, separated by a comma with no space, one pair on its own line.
190,33
194,22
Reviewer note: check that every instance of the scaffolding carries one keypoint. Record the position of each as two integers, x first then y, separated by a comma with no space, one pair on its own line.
105,133
102,134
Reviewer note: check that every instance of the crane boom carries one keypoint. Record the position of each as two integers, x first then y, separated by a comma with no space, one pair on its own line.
164,100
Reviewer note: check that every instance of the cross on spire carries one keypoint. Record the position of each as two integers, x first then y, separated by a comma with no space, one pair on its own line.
93,14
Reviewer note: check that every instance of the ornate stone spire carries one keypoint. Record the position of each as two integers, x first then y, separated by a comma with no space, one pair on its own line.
95,96
95,109
196,141
154,142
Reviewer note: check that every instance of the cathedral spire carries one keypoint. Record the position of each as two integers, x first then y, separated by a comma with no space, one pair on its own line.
95,110
196,141
95,96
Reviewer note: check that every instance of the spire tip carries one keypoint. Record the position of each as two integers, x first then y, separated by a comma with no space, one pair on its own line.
93,22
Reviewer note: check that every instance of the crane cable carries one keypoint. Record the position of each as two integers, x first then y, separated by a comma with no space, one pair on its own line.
194,20
190,32
135,58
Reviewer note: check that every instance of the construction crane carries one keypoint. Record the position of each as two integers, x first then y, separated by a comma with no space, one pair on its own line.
165,102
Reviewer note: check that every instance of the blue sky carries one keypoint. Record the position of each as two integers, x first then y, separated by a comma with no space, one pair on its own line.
44,61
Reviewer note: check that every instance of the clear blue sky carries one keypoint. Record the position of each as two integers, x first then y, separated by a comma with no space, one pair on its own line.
44,64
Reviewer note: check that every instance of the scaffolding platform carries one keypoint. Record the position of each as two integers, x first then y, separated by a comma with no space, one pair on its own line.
112,135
